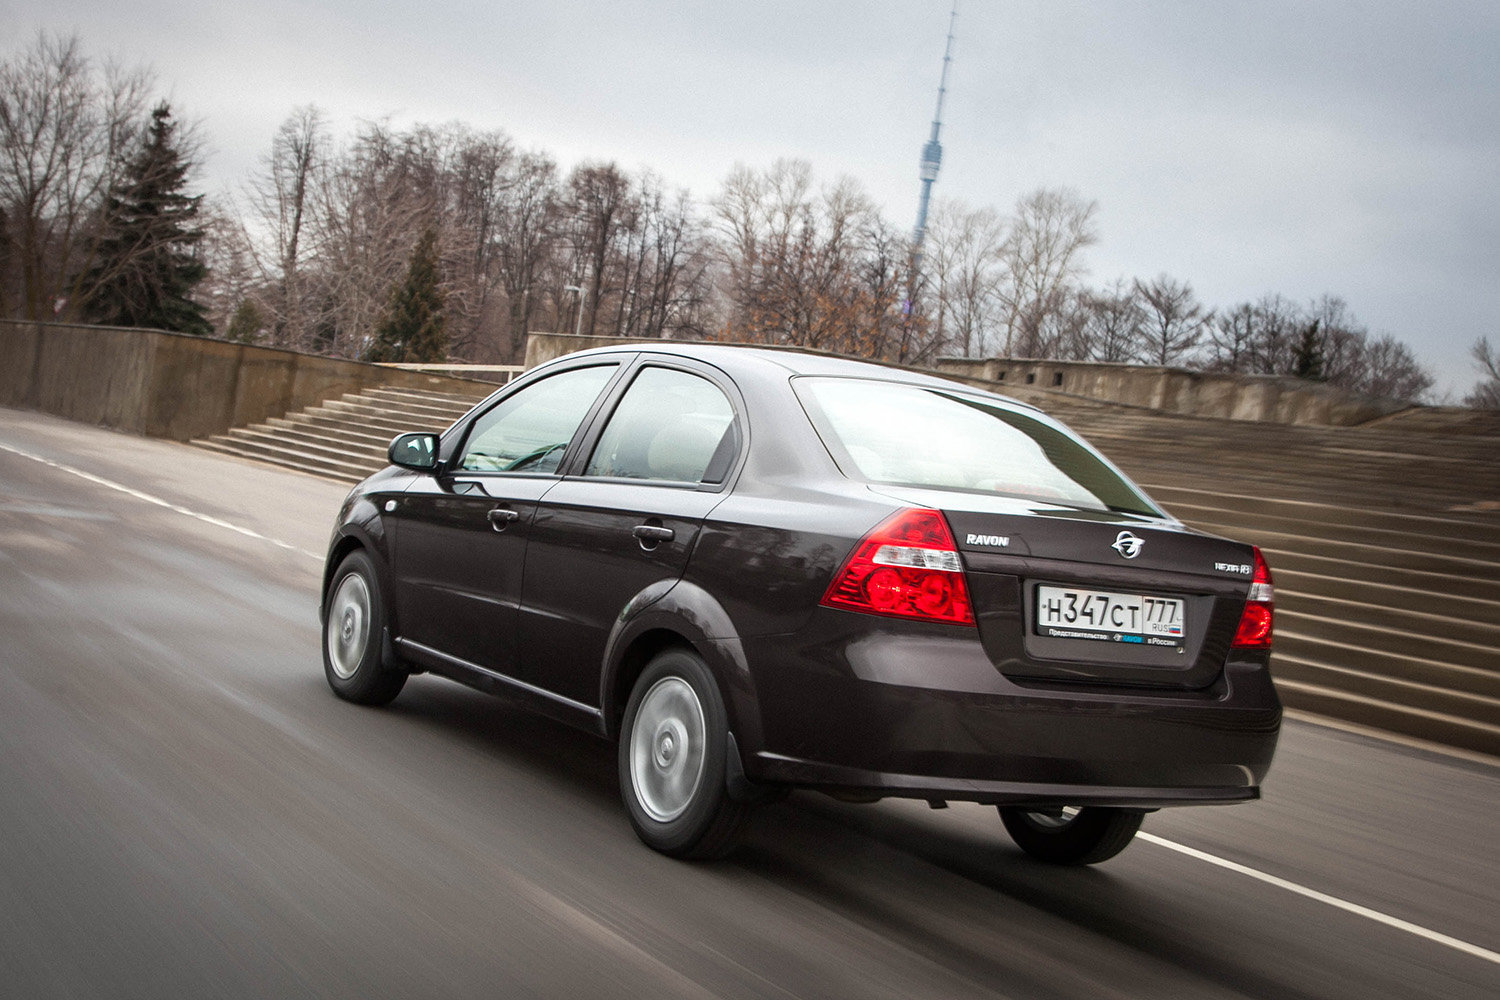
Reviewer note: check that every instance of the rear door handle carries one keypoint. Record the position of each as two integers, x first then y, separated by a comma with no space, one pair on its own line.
652,533
501,518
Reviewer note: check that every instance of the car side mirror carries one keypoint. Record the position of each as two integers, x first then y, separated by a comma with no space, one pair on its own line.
414,451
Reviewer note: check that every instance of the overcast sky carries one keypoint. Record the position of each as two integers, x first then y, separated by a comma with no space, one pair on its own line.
1248,147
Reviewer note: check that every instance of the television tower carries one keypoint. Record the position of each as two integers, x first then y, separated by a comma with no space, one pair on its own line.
932,153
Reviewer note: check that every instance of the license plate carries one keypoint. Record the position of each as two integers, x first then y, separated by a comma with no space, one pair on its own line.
1106,616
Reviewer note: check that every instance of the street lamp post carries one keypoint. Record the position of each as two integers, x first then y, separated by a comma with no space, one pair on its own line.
578,324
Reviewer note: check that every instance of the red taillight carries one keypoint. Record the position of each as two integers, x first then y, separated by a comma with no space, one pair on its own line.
908,567
1255,622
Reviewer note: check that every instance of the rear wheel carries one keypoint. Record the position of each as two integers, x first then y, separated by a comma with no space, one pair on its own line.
354,635
673,760
1071,835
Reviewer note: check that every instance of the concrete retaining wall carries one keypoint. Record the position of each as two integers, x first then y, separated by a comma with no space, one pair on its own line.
1266,398
171,385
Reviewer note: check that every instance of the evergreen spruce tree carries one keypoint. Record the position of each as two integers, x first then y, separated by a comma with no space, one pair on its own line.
246,323
145,268
412,330
1307,357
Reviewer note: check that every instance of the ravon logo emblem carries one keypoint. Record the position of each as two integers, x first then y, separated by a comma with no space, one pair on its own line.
1128,545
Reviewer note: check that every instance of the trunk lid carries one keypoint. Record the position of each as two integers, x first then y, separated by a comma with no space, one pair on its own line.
1094,596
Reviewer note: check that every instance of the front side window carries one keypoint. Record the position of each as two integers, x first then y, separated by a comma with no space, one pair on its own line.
670,426
885,432
529,430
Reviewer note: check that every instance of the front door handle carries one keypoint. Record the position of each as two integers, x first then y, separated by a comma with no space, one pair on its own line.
501,518
653,533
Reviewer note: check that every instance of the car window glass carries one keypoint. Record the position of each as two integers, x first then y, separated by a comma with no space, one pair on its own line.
915,436
668,427
529,430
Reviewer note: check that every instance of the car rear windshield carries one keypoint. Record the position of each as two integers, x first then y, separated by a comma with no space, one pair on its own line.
886,432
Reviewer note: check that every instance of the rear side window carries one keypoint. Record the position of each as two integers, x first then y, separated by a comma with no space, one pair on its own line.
529,430
884,432
670,426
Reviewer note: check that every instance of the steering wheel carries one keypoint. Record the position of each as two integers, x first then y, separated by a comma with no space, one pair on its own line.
535,458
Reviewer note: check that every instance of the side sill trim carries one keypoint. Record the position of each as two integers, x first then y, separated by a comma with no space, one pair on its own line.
474,668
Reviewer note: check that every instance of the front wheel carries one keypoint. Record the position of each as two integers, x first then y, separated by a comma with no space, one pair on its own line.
1071,835
673,760
354,636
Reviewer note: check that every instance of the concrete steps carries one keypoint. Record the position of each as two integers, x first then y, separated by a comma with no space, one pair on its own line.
345,438
1457,567
351,472
1478,588
1378,593
1384,539
309,445
1438,727
1432,698
1432,462
1384,663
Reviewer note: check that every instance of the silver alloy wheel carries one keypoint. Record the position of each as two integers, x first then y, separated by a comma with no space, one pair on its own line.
667,749
1052,819
348,629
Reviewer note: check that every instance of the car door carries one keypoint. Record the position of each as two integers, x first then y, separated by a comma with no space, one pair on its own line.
626,521
462,533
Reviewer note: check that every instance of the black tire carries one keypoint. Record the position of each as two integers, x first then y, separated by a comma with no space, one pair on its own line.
1084,836
354,630
672,760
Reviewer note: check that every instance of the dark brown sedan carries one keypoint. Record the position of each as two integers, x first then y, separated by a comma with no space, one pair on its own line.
761,570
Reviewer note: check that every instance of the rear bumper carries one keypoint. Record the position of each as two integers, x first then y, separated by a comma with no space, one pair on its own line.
776,769
924,714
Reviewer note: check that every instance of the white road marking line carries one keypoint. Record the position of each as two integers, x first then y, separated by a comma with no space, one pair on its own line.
158,501
1323,897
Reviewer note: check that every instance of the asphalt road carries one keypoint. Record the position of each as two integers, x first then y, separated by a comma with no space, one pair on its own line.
186,811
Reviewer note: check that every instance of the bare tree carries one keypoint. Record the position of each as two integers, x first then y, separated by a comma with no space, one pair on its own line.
234,277
371,207
667,275
65,130
1175,319
282,201
1112,329
1230,339
1065,332
965,257
1342,342
827,290
603,212
475,174
331,228
1486,393
793,257
878,325
1278,323
1043,261
1393,371
526,221
757,214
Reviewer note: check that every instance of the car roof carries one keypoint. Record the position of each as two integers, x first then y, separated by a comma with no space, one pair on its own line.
793,361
